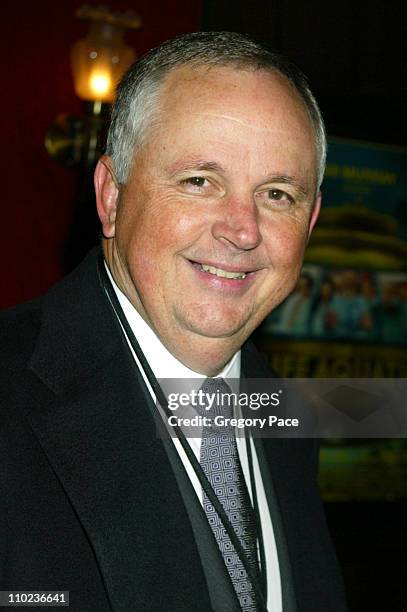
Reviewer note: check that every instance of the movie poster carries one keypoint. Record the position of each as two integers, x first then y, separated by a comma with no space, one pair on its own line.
347,316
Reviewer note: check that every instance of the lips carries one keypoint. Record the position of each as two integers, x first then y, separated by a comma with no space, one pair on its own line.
222,271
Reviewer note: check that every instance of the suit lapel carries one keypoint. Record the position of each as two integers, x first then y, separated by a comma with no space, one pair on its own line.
93,423
272,472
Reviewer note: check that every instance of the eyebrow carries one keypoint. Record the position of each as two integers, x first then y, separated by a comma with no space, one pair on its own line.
197,164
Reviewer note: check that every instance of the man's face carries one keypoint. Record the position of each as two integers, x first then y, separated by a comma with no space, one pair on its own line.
212,224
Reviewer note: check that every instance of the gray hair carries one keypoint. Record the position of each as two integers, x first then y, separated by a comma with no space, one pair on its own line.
138,94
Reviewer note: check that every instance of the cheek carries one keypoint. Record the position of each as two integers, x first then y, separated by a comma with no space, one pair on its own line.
151,246
286,243
285,254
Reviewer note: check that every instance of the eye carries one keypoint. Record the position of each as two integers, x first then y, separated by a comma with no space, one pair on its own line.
275,196
195,183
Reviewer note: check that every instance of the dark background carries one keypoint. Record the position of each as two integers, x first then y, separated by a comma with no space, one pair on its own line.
352,51
354,55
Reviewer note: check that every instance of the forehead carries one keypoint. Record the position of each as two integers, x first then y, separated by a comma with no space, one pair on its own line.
252,96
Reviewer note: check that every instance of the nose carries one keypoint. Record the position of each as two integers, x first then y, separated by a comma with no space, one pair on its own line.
238,225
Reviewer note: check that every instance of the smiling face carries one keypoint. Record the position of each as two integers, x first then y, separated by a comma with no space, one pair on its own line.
208,234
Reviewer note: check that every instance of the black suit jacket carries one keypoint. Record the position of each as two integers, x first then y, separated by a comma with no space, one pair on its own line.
93,502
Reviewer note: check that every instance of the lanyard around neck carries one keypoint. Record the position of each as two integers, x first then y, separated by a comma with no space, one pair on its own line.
204,482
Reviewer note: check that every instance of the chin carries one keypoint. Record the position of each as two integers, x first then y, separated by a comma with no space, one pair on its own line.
218,327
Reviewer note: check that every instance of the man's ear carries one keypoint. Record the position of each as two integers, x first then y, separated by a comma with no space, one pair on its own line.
107,194
315,213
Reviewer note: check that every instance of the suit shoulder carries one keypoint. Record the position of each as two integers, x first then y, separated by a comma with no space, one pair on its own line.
18,330
20,325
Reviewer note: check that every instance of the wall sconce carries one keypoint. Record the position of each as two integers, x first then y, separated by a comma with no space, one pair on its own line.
98,61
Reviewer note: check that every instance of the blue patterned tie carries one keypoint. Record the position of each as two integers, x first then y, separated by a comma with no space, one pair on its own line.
220,461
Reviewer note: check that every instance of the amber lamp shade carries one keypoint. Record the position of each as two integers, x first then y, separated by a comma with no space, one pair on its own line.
99,61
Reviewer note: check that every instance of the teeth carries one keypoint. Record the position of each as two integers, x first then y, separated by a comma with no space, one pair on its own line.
222,273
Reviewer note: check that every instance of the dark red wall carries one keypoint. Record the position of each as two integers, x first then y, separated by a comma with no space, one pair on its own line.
37,195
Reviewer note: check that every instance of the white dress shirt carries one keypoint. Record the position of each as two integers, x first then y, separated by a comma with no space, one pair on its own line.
165,365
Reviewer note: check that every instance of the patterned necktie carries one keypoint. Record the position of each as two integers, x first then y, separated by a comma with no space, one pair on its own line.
220,461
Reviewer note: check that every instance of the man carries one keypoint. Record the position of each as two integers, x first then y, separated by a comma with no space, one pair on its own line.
207,196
